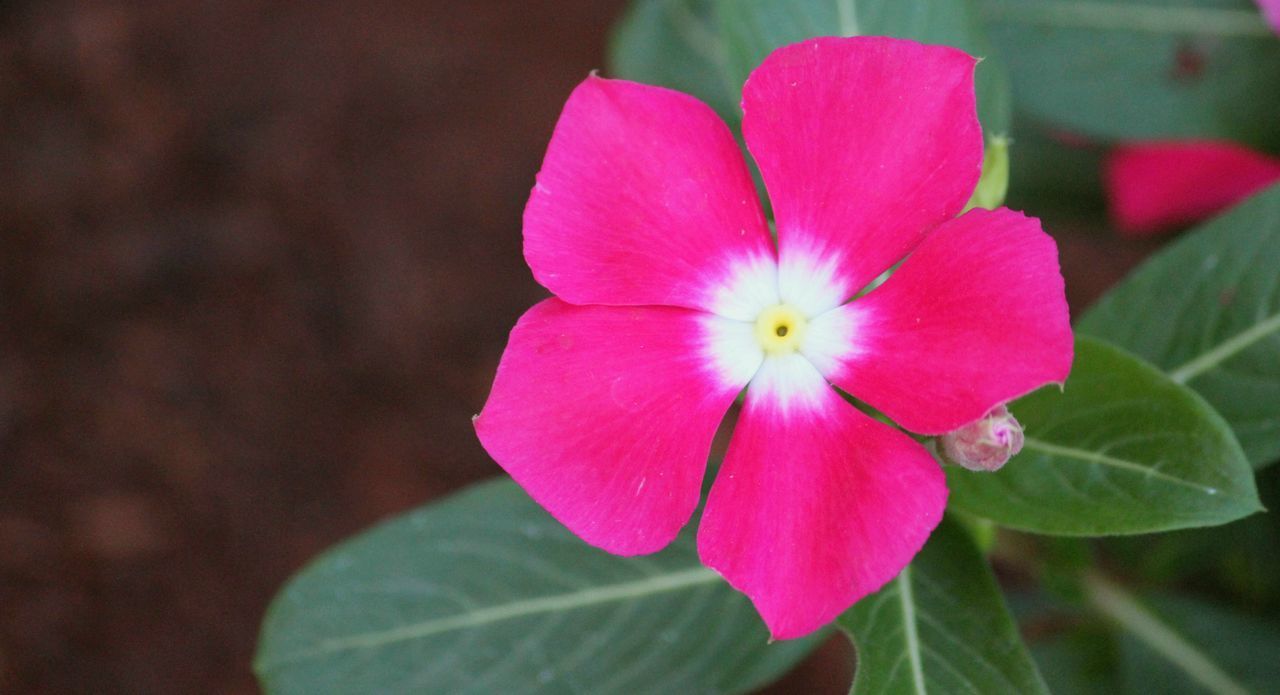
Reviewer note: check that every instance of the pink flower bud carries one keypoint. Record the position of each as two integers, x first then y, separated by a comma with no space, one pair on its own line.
986,444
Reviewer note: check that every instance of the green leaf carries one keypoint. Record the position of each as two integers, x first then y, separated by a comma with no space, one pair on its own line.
994,184
1121,449
1173,645
940,626
676,44
753,28
1047,173
485,593
1130,69
1077,664
1207,309
1238,560
1154,643
1074,648
708,47
1083,661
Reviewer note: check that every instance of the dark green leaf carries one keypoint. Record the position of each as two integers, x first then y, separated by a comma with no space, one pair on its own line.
485,593
676,44
1130,69
1122,449
1207,310
1129,644
1082,662
753,28
1238,560
1048,171
1175,645
940,626
708,47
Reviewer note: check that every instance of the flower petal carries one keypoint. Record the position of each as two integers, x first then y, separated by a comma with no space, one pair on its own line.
1271,11
643,199
605,416
816,506
977,316
865,144
1157,185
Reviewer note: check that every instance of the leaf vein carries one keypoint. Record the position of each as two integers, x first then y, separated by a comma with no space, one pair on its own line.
508,611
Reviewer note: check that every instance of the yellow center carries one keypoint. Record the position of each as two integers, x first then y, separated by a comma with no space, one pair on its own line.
780,329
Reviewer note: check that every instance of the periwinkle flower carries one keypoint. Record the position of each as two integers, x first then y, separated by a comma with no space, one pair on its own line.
671,297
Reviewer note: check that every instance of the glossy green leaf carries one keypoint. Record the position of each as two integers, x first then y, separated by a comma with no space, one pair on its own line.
708,47
486,593
940,626
1121,449
1207,309
1130,69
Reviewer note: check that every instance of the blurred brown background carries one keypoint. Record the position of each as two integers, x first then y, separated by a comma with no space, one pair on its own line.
257,263
259,259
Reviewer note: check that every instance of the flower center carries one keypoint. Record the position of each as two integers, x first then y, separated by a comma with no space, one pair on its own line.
780,329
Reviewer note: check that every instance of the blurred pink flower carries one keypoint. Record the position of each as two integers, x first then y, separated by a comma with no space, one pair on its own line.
1158,185
1271,10
672,297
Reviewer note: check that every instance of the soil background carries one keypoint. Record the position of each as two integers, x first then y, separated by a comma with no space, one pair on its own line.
258,261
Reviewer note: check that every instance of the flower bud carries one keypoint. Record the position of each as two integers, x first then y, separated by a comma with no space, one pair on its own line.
986,444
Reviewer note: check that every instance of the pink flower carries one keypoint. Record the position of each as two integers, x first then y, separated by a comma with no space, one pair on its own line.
671,297
1154,186
1271,12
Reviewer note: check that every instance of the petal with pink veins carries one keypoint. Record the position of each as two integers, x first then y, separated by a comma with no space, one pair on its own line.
605,416
816,505
975,317
643,199
866,144
1154,186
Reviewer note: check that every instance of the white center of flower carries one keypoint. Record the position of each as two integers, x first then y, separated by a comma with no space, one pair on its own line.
780,327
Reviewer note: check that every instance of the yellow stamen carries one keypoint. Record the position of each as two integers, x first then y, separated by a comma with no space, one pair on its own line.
780,329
